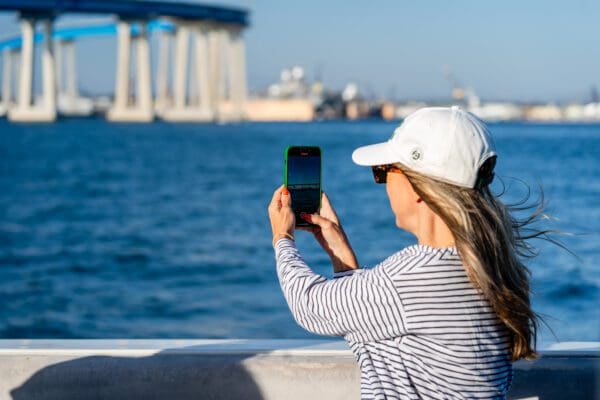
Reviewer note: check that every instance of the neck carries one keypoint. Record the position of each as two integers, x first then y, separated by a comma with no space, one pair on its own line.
432,231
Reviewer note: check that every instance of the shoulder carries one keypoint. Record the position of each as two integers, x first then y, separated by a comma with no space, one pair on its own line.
416,255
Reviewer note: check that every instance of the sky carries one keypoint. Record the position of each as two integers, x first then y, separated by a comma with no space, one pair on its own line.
505,50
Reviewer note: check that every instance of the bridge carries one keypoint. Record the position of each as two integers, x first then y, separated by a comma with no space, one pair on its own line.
206,38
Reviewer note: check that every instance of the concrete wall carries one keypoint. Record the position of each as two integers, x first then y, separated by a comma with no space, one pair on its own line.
238,369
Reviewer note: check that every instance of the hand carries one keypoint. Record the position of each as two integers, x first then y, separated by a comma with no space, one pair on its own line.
281,214
330,235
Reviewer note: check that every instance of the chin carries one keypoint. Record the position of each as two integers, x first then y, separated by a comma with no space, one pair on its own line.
399,224
403,224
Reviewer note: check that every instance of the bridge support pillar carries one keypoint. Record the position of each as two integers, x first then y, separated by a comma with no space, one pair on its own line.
49,74
71,70
202,71
235,107
194,105
217,86
139,108
26,110
26,72
163,97
215,57
7,80
69,101
181,64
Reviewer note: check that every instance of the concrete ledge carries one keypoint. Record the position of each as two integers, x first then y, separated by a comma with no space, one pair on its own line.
188,114
32,114
241,369
130,114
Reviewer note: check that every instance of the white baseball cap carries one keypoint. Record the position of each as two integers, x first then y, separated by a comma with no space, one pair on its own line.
446,143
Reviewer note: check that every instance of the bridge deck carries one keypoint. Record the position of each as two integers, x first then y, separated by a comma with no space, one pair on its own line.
129,9
75,32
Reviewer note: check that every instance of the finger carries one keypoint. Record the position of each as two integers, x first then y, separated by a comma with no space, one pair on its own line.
317,220
277,195
286,199
327,210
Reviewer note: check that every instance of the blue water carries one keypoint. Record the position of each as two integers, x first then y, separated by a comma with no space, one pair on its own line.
161,231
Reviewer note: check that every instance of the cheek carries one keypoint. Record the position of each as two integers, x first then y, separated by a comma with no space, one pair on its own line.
397,199
399,195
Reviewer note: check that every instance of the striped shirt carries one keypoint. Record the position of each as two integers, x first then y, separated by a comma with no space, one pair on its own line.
417,326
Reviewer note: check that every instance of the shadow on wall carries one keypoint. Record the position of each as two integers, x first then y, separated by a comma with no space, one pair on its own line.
167,375
187,373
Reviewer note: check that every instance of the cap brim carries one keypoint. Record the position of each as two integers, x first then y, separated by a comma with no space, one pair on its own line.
374,154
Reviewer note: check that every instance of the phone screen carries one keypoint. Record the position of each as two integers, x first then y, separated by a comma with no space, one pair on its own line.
303,180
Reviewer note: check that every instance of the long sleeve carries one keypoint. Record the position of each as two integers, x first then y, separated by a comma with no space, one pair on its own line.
361,306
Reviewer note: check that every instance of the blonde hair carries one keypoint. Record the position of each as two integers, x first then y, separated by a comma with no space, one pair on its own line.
491,242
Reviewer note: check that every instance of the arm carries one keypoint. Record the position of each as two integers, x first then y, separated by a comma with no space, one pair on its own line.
362,306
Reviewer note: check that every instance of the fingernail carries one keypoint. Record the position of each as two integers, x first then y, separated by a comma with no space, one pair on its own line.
285,191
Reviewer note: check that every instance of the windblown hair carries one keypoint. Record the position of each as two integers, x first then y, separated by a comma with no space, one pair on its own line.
492,243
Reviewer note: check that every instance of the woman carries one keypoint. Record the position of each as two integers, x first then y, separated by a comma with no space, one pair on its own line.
443,318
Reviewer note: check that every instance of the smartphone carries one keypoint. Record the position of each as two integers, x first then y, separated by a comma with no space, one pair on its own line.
302,178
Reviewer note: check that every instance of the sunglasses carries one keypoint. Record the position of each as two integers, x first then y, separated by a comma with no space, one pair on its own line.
380,172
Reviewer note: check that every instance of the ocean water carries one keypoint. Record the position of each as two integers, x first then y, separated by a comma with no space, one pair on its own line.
161,230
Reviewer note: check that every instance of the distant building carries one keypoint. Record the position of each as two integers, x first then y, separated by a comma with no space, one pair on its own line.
545,112
290,99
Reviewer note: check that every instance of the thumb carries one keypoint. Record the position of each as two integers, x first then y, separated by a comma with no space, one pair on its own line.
286,199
